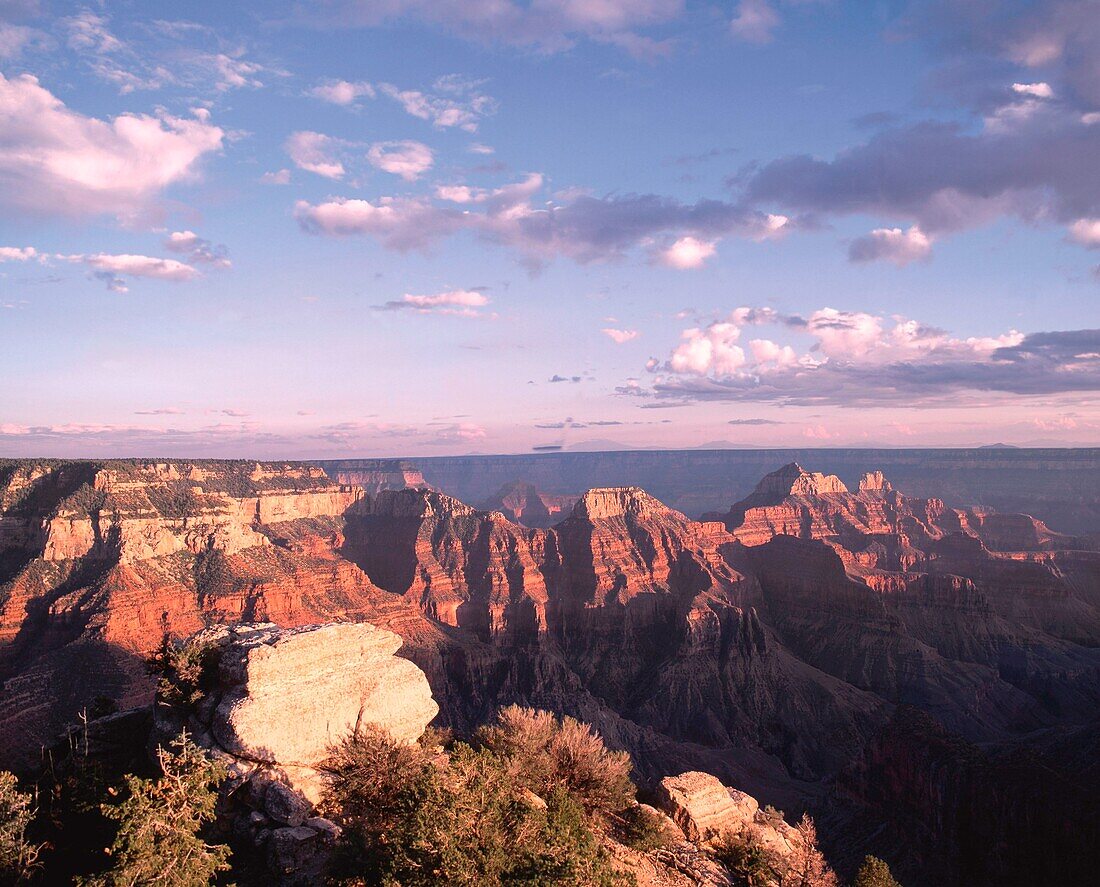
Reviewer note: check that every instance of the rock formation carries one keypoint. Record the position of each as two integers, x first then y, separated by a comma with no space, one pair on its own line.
523,504
284,696
276,701
707,811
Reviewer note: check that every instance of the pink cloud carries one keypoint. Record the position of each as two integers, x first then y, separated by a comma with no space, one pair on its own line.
620,337
456,303
56,161
687,253
407,159
754,21
317,153
893,245
17,253
1086,232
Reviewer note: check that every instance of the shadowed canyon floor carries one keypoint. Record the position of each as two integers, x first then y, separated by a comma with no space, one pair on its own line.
922,676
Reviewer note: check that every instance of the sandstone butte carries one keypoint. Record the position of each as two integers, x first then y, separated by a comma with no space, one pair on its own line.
784,646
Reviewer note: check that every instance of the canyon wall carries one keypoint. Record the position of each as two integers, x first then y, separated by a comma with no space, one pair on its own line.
771,645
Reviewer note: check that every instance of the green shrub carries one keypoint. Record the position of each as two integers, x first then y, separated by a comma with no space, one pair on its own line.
85,500
874,873
565,850
184,671
546,754
18,856
772,816
413,817
641,829
160,820
748,861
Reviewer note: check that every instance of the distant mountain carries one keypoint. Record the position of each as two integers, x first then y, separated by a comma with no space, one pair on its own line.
597,446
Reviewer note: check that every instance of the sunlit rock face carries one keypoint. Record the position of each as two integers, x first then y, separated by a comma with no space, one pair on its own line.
286,696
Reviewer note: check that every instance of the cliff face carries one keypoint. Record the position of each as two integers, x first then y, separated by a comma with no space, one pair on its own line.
769,647
524,504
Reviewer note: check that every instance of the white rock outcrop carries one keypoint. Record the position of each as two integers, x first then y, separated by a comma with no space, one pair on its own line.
289,694
705,809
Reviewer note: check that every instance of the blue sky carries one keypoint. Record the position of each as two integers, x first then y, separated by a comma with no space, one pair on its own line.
411,227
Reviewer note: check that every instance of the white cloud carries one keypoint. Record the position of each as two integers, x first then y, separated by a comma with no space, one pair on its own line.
343,92
233,71
279,177
317,153
89,31
619,337
754,21
54,160
17,253
138,266
687,253
455,303
401,223
893,245
709,350
1086,232
581,227
460,105
1036,90
479,148
166,58
858,358
114,268
406,159
765,351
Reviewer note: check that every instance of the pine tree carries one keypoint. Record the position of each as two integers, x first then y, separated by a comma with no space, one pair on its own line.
874,873
159,821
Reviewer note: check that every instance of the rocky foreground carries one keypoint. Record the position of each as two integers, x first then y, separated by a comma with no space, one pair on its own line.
925,678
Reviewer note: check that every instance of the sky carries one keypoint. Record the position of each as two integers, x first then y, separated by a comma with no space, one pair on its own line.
350,228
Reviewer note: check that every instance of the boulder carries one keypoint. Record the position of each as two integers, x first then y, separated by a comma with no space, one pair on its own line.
703,807
285,805
289,694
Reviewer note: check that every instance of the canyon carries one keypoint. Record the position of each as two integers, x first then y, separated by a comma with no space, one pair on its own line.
921,675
